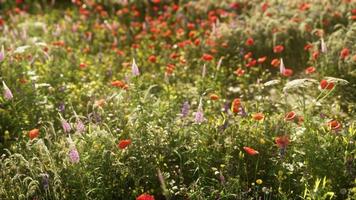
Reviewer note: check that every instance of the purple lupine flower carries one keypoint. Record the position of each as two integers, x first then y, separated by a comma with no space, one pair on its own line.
7,92
185,109
79,126
73,155
134,68
66,126
199,115
45,181
281,67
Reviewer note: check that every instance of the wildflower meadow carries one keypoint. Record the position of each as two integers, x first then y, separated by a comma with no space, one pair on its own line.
177,99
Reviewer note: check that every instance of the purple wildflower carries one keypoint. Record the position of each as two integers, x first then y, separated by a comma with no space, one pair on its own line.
7,92
199,115
73,155
242,112
66,126
134,68
61,107
185,109
79,126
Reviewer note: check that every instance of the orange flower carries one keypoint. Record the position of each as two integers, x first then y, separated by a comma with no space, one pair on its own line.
324,84
235,106
282,141
258,116
207,57
124,143
34,133
250,151
278,49
334,125
214,97
290,116
119,84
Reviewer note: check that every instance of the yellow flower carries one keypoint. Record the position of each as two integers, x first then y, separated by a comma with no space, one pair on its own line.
259,181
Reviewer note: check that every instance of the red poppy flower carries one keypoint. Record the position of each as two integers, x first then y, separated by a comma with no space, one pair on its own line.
82,65
251,63
290,116
145,197
315,55
258,116
262,59
310,70
287,72
278,49
124,143
308,46
156,1
249,42
34,133
239,72
304,6
170,68
207,57
152,59
248,55
235,106
324,84
264,7
282,141
250,151
197,42
345,52
275,62
2,22
334,125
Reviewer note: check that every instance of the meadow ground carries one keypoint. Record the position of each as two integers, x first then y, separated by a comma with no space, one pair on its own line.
193,100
